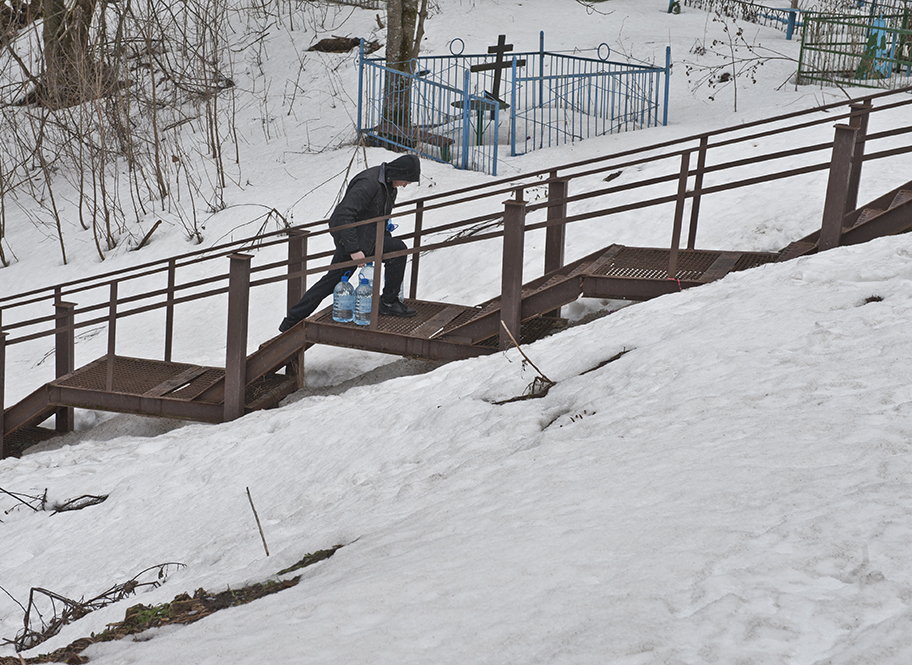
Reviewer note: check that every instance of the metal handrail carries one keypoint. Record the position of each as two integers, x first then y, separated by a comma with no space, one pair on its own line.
496,188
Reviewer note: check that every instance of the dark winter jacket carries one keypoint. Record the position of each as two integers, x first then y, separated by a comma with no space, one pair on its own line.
370,194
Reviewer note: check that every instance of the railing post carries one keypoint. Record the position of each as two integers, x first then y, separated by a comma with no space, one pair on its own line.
236,347
697,192
555,234
65,348
861,111
2,386
511,278
378,274
416,245
834,208
112,338
169,309
679,215
297,264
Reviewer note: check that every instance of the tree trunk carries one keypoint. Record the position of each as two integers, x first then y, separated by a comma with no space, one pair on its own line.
67,64
404,32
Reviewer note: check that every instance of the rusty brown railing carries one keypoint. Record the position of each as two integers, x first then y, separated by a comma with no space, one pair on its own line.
495,209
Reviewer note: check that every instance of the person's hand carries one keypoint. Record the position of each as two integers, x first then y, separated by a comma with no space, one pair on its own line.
359,256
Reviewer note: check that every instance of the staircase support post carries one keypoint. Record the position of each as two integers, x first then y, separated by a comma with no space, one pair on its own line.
379,273
65,348
679,215
861,111
236,347
697,193
2,387
416,244
834,208
556,232
297,264
511,276
112,338
169,309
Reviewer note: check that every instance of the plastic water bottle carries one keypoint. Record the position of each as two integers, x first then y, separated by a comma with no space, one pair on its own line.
343,300
367,272
363,296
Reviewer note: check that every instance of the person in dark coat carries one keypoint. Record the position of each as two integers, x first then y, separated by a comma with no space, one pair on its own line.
371,193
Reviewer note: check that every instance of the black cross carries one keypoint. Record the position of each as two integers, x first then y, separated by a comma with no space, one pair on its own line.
498,65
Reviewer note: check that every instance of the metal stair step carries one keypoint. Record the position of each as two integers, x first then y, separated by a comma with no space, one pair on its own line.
902,196
867,215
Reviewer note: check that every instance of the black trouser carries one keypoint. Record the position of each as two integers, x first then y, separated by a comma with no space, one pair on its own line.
393,272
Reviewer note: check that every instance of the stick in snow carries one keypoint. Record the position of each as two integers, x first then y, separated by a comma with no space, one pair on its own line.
257,518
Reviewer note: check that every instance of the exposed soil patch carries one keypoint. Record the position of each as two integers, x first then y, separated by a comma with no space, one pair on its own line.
184,609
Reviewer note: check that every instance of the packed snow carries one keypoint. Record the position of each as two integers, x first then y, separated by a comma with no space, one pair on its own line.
731,487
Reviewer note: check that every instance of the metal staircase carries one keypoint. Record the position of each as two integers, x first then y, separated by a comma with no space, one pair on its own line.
441,330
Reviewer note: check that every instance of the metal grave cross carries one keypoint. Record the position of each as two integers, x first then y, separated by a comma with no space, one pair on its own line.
498,65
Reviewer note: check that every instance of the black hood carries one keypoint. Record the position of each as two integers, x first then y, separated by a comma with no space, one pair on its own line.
407,168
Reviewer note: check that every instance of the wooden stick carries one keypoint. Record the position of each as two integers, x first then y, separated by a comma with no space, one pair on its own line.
257,518
147,236
518,348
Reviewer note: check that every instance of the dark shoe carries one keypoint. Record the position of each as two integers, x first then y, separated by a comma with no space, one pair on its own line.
285,325
396,308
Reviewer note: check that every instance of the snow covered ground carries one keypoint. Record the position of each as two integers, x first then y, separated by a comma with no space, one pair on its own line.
734,488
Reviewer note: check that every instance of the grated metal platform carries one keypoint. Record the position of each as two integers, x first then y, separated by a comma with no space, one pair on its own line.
692,265
138,376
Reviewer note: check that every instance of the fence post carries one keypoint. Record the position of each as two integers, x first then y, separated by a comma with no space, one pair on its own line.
2,386
859,119
834,208
419,223
297,264
541,67
236,347
112,338
790,28
360,89
511,276
679,215
466,119
513,103
667,84
697,192
65,348
169,309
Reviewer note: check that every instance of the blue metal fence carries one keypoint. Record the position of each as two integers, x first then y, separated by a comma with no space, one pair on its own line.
443,110
562,99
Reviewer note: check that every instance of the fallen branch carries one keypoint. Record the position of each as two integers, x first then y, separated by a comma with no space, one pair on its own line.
66,610
18,497
147,236
540,385
79,503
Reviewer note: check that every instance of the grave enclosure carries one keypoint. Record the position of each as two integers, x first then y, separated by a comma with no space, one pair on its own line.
462,108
